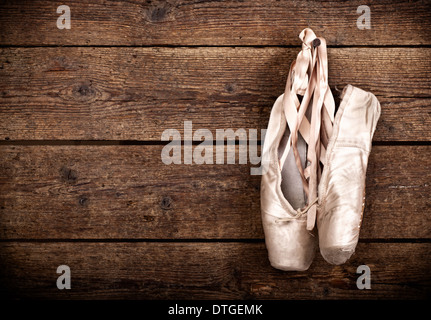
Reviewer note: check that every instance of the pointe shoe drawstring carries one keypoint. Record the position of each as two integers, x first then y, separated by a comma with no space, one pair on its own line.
298,214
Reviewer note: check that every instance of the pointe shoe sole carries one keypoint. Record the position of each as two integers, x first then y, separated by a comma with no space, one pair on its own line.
342,186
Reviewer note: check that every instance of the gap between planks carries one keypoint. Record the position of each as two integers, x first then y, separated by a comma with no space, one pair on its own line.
161,143
216,240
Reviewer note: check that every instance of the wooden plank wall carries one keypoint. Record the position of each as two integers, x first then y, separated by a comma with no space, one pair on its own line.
81,117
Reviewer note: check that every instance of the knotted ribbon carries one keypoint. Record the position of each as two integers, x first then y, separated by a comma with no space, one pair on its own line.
308,77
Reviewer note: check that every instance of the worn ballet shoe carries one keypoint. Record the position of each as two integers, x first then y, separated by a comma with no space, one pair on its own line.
291,247
293,149
342,185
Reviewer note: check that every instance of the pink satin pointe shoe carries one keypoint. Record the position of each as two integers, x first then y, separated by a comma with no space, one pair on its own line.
293,149
291,247
342,185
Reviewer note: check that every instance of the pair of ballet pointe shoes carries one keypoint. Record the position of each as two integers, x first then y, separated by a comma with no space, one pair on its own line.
314,169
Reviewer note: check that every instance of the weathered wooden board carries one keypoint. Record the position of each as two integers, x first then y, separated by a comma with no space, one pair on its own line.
130,226
98,192
137,93
262,22
206,271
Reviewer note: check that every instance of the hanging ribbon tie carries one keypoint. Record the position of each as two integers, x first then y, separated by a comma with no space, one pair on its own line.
312,117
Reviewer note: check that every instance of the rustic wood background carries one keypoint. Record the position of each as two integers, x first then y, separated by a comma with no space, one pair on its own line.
81,178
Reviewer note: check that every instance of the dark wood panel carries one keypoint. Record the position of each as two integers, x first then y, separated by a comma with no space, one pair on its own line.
97,192
262,22
207,271
136,93
56,200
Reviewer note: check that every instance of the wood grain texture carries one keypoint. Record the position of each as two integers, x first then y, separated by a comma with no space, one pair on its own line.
130,226
137,93
126,192
262,22
207,271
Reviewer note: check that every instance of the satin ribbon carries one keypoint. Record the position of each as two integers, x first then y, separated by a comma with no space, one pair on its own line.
308,76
